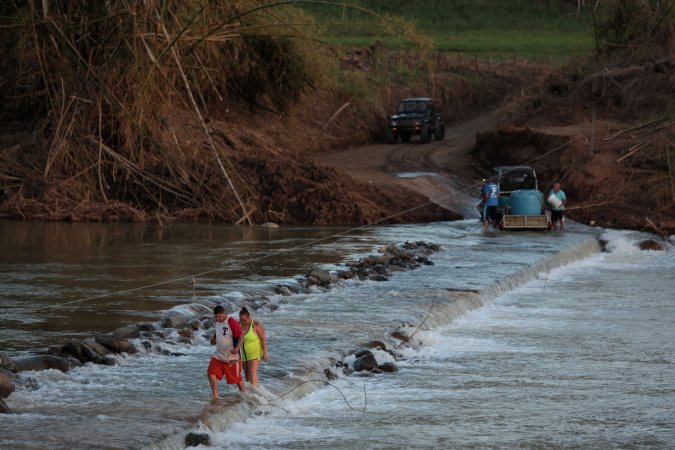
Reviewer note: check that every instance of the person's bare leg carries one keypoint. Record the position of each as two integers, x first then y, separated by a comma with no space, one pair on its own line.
241,386
213,381
246,370
253,371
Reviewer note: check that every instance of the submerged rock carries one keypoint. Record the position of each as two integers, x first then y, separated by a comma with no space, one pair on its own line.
6,362
40,362
96,347
4,409
330,374
195,439
651,244
362,353
376,344
388,367
6,383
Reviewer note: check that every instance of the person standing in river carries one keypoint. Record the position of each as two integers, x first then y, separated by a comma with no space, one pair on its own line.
491,202
225,361
557,205
255,346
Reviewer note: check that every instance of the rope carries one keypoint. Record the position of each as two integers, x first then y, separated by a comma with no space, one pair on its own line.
306,244
420,325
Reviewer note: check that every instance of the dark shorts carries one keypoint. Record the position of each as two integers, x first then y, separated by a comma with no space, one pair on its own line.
557,216
491,213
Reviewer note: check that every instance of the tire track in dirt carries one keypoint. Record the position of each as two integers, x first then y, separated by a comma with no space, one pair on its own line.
435,169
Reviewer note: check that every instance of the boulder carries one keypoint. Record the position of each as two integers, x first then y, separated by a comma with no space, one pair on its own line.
651,244
96,347
195,439
6,362
345,275
376,371
6,383
361,353
347,370
379,269
173,321
195,324
603,244
40,362
127,332
4,409
388,367
80,351
115,344
365,363
146,345
318,277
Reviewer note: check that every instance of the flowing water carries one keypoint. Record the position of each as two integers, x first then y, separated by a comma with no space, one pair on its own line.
562,346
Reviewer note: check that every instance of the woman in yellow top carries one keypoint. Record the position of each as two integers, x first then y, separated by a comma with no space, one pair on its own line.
255,345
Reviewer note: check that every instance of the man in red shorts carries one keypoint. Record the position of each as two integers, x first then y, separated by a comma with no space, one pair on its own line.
225,361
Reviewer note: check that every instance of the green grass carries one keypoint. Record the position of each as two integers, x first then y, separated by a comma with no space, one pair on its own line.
485,27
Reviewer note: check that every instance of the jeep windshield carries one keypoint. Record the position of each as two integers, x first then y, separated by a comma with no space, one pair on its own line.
517,179
412,107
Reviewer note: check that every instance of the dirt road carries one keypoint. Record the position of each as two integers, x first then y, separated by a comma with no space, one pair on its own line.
440,170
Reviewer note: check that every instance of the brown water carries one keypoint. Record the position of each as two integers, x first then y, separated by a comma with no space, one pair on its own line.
46,264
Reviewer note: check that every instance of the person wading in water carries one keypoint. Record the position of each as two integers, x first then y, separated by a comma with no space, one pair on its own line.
225,360
255,346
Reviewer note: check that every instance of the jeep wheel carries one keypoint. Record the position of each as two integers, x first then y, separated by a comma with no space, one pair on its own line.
425,134
405,136
439,133
391,136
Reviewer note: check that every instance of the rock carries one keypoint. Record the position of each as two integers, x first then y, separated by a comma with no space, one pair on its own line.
6,383
6,362
96,347
4,409
173,321
195,324
79,351
362,353
603,244
127,332
376,344
651,244
269,225
106,360
376,277
187,333
283,290
116,345
400,336
272,306
330,375
376,371
347,370
379,270
146,345
40,362
345,275
388,367
365,363
195,439
318,277
146,326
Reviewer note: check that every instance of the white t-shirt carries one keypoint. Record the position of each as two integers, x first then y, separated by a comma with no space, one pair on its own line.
226,340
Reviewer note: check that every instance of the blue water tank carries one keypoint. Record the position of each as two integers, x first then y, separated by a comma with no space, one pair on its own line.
526,202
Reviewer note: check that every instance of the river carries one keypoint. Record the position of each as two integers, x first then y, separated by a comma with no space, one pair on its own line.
564,346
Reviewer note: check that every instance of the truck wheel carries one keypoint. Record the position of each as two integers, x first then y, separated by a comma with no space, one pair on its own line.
425,134
439,133
391,136
405,136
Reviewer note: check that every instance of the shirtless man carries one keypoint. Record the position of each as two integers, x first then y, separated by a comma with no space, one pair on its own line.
225,361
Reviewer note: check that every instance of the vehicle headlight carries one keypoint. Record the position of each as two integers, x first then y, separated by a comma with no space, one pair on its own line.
394,123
